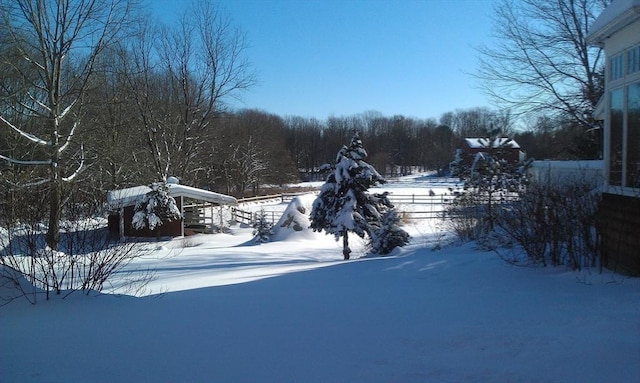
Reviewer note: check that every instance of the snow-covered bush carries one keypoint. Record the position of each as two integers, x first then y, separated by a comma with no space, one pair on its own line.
294,222
388,235
262,227
156,207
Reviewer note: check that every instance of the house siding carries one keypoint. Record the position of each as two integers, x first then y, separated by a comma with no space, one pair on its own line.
619,221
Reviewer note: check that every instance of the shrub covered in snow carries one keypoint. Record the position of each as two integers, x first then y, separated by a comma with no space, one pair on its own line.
294,222
156,207
388,235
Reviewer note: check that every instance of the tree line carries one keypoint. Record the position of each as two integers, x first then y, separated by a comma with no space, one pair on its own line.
95,95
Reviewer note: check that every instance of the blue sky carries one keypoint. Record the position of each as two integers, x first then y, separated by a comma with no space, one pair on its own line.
343,57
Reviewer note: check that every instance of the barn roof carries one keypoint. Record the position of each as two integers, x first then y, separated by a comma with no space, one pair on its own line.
130,196
480,143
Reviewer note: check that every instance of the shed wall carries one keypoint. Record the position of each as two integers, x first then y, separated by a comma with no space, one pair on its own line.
167,229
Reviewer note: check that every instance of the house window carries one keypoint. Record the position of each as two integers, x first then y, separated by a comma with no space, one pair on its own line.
615,138
616,67
633,60
633,136
624,137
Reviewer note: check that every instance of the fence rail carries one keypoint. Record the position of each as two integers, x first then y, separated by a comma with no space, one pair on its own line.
248,217
437,206
283,197
424,199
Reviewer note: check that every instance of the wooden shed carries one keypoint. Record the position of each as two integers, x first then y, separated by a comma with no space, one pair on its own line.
193,204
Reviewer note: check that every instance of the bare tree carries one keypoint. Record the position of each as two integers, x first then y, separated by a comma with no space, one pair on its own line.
55,46
251,151
541,61
181,77
478,122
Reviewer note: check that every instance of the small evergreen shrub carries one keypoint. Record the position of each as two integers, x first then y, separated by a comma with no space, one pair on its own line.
262,228
388,235
156,207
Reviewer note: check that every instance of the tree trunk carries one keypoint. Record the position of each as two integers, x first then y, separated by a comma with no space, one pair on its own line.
55,193
55,197
346,251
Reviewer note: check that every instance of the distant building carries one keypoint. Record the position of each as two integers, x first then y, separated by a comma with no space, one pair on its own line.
502,148
191,201
617,30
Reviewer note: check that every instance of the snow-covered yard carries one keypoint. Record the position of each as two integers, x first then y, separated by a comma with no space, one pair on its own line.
293,311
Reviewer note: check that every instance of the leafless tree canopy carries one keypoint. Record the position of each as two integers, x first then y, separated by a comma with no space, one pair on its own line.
541,61
52,47
180,77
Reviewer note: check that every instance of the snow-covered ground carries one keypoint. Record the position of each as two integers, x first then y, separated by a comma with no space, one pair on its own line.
292,311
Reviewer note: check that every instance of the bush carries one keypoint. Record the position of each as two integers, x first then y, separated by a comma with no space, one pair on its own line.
88,259
467,217
389,235
554,223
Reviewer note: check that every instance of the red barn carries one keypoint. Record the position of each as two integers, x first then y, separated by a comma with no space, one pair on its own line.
504,148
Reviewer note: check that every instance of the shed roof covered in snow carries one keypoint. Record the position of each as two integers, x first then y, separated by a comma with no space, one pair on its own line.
480,143
130,196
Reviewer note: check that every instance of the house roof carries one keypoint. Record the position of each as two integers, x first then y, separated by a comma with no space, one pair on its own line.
480,143
615,16
130,196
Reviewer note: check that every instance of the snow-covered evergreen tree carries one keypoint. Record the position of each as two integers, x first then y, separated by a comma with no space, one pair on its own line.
389,234
156,207
262,228
456,166
344,204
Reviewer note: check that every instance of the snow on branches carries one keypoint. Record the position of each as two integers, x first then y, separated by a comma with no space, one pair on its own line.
155,208
344,204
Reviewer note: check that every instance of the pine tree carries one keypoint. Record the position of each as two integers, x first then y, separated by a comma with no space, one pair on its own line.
156,207
344,204
262,228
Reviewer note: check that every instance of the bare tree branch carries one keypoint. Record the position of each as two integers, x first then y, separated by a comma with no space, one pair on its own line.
24,134
541,62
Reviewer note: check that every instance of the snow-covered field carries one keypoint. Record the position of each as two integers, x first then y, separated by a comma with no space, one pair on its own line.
292,311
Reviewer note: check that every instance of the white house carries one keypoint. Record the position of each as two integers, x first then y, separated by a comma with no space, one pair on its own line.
617,31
